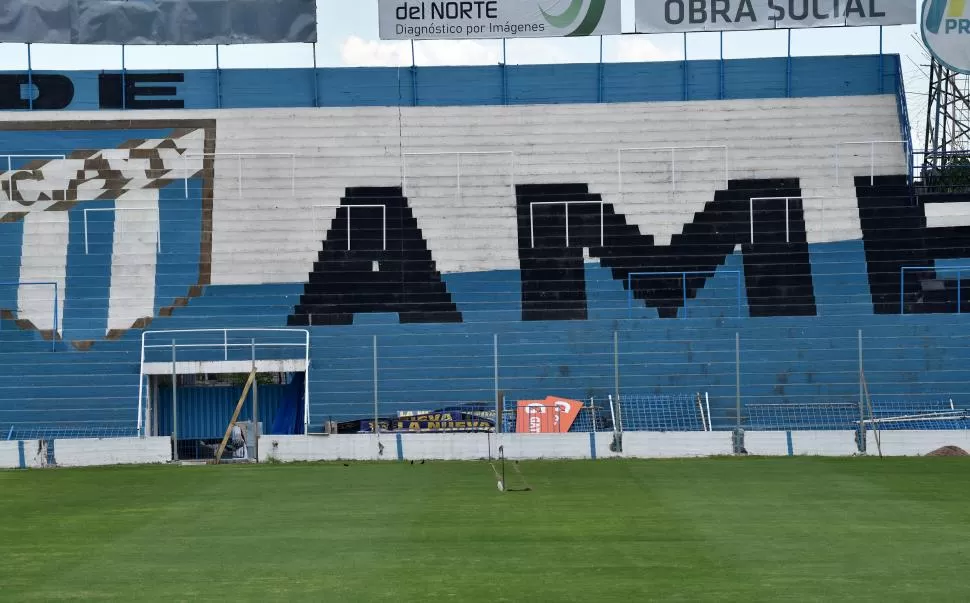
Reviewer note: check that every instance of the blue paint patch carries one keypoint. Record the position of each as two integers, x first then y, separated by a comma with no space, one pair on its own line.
20,454
88,281
12,235
592,446
724,294
491,296
791,447
400,446
522,84
840,288
180,232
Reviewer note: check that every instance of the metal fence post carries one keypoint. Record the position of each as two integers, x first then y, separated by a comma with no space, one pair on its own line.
255,434
495,361
499,398
616,407
377,425
175,407
738,431
861,432
616,365
30,83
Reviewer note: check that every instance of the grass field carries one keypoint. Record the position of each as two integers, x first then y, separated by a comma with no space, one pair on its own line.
693,530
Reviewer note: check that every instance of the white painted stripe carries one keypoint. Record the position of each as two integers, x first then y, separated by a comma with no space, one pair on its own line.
43,259
947,214
134,259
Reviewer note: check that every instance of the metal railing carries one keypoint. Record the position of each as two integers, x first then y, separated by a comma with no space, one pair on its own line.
458,169
187,173
532,230
54,313
952,177
872,155
673,161
683,276
70,431
903,109
158,225
959,270
10,168
226,346
787,201
382,207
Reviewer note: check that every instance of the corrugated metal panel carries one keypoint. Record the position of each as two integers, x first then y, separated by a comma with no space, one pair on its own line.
204,412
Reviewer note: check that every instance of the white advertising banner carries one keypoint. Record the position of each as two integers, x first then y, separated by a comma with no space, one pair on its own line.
458,19
945,25
671,16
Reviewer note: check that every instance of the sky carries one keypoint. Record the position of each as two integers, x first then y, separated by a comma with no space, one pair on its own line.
348,36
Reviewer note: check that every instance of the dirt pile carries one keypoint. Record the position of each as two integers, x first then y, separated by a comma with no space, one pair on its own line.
949,451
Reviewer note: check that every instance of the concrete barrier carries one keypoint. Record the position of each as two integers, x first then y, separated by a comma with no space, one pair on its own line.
800,443
468,446
672,444
113,451
916,443
23,454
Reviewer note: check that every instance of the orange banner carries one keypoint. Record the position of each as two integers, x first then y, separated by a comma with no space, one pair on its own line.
552,415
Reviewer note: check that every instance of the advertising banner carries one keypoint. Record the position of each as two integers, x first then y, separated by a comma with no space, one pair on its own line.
672,16
945,25
158,21
552,415
433,422
469,19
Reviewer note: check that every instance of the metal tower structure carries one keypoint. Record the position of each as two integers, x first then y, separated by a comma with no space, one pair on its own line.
947,119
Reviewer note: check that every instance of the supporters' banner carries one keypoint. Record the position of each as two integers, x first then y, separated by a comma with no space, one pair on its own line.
666,16
946,32
458,19
552,415
443,421
435,422
158,21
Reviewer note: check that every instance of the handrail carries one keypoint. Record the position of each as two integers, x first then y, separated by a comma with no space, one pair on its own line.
673,162
683,275
532,231
239,155
225,345
54,320
872,156
902,282
903,108
787,212
382,206
10,169
458,154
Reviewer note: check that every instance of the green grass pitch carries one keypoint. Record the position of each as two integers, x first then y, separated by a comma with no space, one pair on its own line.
784,529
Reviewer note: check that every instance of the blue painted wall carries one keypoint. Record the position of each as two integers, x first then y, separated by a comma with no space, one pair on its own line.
520,84
422,366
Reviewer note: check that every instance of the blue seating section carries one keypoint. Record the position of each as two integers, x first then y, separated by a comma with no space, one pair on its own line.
786,360
789,360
